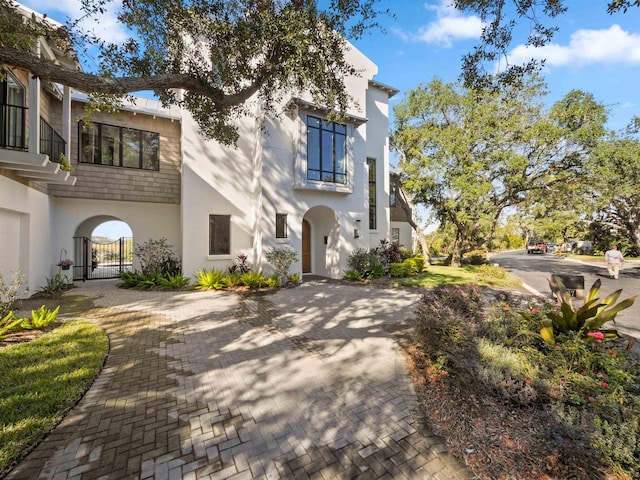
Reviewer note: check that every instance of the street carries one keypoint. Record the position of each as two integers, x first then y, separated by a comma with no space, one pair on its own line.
535,270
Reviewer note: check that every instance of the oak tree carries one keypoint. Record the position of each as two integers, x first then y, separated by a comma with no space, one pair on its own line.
470,154
220,53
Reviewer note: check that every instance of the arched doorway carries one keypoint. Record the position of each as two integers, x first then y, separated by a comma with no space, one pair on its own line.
103,248
321,242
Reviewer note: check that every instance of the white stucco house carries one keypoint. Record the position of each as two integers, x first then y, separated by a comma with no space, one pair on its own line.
300,182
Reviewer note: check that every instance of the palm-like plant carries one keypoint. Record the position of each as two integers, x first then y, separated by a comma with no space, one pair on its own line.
590,317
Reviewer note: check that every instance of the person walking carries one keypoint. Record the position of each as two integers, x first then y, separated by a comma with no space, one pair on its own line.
614,260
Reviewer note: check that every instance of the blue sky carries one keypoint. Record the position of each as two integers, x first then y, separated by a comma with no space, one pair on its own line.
593,51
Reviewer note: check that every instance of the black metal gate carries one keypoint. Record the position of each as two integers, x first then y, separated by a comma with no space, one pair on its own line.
101,260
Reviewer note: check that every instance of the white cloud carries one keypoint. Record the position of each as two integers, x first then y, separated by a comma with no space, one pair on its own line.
586,47
108,28
450,25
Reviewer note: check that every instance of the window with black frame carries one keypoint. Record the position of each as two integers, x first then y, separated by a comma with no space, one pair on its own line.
219,234
281,225
373,217
102,144
326,151
12,112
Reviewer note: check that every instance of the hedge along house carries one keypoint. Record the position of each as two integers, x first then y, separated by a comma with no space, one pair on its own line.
319,188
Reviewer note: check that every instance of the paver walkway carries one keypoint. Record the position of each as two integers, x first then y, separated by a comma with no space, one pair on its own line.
304,383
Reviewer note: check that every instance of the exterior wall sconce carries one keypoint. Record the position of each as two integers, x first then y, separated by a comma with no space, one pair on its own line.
356,231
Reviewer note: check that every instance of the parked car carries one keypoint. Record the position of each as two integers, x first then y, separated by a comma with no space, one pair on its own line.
552,247
536,246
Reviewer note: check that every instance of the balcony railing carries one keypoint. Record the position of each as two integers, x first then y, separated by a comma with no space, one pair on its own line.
51,142
13,127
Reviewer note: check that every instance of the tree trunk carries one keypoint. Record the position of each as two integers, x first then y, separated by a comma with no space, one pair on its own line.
455,258
416,228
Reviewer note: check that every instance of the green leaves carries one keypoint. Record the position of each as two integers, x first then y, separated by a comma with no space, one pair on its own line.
591,316
468,155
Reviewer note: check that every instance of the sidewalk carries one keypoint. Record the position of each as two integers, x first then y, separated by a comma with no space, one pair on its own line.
304,383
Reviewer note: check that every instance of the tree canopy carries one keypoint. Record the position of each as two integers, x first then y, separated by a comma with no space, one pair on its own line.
501,17
470,154
615,175
220,52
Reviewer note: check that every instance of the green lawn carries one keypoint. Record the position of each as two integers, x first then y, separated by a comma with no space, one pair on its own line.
435,275
41,380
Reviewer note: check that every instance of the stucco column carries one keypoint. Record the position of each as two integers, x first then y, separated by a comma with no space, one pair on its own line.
66,121
34,114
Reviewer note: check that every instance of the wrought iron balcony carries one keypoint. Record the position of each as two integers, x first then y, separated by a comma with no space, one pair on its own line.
13,127
51,143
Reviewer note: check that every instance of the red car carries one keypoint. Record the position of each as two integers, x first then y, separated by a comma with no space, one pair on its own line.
536,247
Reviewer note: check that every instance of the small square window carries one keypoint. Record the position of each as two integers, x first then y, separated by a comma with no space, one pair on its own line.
219,234
282,230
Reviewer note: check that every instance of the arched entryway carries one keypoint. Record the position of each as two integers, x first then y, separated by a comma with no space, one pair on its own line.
103,248
320,242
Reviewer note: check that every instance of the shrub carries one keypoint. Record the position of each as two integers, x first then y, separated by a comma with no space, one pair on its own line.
377,271
240,265
40,318
158,256
400,270
253,279
589,318
388,253
9,323
366,263
352,274
405,253
588,385
9,292
446,318
492,275
294,279
416,264
55,285
272,281
173,282
475,257
211,279
281,260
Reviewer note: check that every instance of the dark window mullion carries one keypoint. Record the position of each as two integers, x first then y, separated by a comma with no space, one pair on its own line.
97,134
120,146
140,150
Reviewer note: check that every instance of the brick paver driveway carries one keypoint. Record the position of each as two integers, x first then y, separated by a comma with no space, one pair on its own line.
304,383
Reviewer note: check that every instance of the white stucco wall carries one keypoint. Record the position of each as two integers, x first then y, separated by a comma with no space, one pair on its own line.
378,147
25,233
217,180
147,221
406,234
258,179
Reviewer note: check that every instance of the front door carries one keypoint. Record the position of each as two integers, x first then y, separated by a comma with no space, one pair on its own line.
306,247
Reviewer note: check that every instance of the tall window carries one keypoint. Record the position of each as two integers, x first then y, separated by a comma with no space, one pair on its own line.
12,113
219,234
395,236
393,193
119,146
326,151
373,218
281,225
